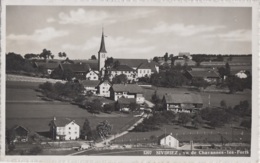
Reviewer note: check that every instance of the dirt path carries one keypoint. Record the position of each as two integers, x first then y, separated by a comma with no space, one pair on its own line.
105,142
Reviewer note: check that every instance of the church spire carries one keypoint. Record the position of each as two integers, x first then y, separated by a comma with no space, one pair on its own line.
102,45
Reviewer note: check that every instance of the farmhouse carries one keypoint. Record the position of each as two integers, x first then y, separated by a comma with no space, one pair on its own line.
123,69
48,67
186,102
64,129
80,70
167,140
127,91
90,85
92,75
104,88
210,76
19,133
124,103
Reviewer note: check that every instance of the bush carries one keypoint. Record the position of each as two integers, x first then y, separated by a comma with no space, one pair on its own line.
217,117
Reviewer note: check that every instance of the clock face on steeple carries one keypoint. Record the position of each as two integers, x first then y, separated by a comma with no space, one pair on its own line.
102,55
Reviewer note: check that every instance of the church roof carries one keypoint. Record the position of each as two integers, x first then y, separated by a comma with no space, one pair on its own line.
122,68
102,45
134,63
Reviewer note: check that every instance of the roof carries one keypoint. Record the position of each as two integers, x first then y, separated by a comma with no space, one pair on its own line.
90,83
48,65
102,48
131,88
204,74
17,126
126,101
164,135
93,64
147,65
122,68
134,63
106,82
184,61
60,122
186,98
181,54
76,67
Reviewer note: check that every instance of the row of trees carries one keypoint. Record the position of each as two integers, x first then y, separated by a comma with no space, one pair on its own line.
68,91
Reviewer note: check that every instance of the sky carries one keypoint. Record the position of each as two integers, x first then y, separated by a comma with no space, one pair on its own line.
131,32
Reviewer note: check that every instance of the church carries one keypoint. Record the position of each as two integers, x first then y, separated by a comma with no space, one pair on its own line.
132,68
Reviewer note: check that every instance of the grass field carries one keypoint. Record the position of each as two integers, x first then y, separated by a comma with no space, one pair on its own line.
25,107
215,98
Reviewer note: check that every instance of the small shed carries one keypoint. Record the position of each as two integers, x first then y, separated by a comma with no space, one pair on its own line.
19,133
167,140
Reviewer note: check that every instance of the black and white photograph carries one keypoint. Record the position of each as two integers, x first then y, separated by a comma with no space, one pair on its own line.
107,80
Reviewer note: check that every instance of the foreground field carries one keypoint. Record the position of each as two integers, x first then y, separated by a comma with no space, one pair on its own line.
25,107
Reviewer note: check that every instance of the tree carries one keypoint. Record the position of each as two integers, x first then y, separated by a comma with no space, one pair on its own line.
96,106
166,57
246,123
45,54
198,59
86,130
15,62
52,56
93,57
156,59
62,54
104,129
47,86
30,55
116,64
109,62
155,98
197,120
184,118
120,79
108,108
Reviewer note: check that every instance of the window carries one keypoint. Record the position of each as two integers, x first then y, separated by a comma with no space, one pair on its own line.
69,133
69,128
75,132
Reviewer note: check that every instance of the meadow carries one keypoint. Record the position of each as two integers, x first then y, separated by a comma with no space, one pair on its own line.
25,107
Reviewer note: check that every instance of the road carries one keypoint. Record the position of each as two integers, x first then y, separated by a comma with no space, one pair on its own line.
105,142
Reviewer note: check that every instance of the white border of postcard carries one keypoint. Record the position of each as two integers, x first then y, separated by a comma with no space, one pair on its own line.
113,159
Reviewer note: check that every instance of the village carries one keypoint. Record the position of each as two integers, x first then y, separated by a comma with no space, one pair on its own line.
132,87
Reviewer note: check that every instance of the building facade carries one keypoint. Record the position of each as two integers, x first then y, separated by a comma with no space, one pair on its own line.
168,141
64,129
104,88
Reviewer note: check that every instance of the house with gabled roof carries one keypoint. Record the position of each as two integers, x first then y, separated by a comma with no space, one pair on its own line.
90,85
92,75
123,69
127,91
48,67
182,102
104,88
167,140
80,70
18,133
211,76
64,129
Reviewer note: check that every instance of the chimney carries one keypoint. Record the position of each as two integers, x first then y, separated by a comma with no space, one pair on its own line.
170,133
54,118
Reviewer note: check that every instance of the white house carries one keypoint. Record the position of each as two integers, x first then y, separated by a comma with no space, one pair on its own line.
167,140
90,85
92,75
124,69
128,91
241,74
64,129
104,88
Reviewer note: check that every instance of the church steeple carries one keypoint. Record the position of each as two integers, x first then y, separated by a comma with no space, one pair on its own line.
102,44
102,53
